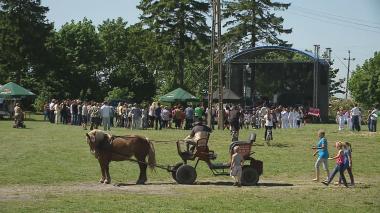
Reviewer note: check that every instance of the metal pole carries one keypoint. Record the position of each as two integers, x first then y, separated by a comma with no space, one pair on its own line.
317,78
211,71
348,70
220,74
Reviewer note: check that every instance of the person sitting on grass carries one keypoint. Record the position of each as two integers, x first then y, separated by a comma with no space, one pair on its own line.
236,166
323,154
339,165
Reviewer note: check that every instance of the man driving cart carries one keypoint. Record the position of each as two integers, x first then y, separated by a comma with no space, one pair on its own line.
198,131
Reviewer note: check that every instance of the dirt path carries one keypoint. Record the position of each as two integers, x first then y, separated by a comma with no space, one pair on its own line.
27,192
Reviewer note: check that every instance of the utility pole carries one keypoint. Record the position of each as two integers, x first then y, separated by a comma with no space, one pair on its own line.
216,57
349,59
220,60
315,76
211,70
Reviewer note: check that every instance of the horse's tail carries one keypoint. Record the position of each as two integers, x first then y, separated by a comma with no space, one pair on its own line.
151,155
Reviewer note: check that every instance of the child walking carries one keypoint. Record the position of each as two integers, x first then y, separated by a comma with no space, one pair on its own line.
236,166
323,154
339,165
347,150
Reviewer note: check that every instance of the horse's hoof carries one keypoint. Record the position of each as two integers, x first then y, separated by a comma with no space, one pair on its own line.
107,182
101,181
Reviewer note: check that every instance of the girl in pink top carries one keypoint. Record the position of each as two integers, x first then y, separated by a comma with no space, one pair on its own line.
340,158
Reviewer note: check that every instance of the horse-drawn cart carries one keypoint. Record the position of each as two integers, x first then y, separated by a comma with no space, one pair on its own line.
183,173
107,148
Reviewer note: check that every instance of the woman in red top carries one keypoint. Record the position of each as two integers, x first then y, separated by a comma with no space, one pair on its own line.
339,165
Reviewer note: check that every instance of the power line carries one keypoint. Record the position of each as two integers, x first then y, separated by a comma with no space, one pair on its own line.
338,16
340,60
339,19
327,20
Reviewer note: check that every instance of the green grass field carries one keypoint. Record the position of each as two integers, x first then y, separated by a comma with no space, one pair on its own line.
48,168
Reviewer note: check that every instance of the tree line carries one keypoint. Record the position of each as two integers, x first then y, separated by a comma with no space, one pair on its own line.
169,47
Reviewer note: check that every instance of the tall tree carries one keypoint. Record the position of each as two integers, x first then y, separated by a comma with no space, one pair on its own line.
83,57
177,24
24,30
251,21
364,83
125,70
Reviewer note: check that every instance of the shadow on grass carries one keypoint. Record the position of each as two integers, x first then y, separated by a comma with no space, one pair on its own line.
278,145
229,183
207,183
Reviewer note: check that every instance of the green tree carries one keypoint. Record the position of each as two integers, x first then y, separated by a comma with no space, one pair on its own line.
124,66
24,31
81,53
335,85
181,30
251,21
364,83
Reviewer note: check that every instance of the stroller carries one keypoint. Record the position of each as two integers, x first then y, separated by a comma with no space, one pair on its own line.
19,121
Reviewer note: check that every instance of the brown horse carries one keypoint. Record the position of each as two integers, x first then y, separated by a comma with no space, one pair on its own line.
107,148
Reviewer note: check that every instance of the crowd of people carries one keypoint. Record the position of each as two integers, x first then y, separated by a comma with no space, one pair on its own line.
353,119
156,116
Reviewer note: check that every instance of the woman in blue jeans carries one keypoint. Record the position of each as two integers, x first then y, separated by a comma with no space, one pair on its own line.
339,165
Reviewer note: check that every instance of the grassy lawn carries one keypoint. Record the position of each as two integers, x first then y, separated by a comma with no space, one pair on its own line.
48,168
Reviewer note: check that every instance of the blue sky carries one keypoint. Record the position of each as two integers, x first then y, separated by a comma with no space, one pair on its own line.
339,24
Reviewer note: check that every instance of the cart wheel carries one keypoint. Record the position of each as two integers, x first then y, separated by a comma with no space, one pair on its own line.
175,168
186,175
249,176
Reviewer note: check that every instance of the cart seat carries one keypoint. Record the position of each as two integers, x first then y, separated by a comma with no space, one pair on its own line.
250,141
245,146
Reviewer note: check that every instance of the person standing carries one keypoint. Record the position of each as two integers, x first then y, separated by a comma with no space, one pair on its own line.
136,117
144,117
94,116
106,114
57,112
340,119
189,116
237,162
285,118
198,112
51,111
165,116
268,125
157,117
84,115
323,154
152,107
233,119
291,118
373,117
355,113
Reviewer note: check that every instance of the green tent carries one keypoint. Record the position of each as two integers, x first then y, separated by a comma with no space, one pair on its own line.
14,91
178,95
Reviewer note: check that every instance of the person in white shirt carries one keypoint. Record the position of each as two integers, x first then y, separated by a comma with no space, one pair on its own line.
57,112
373,117
291,118
355,113
268,123
285,118
340,119
105,112
51,111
